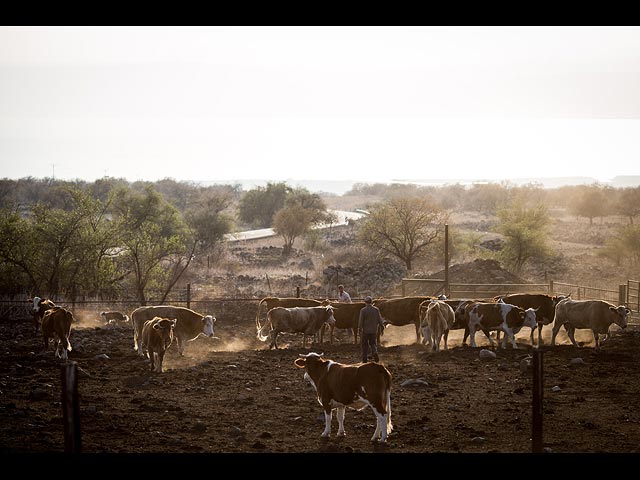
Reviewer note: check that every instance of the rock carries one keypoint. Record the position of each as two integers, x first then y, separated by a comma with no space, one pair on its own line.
576,361
236,432
547,450
38,394
414,381
478,440
487,354
259,446
556,389
265,435
519,391
526,365
199,427
102,356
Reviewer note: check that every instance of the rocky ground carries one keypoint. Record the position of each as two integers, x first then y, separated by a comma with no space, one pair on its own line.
232,395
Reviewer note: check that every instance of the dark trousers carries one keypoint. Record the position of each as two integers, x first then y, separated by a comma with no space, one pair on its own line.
369,340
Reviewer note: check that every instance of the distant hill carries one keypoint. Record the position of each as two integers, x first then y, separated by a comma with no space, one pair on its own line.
339,187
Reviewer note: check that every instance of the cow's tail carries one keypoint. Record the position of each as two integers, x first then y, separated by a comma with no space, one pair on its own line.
387,396
258,327
263,332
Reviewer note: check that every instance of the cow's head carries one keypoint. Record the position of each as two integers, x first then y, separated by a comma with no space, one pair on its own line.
165,327
558,298
36,304
313,363
620,315
329,318
531,318
207,325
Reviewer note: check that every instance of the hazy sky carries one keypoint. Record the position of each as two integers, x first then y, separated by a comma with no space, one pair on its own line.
346,103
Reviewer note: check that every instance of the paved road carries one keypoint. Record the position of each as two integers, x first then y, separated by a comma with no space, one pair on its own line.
343,218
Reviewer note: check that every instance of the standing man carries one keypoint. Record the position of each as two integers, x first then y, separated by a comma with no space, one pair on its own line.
368,323
343,296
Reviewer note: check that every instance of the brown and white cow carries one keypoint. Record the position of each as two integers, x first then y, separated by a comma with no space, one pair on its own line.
56,325
596,315
40,306
157,335
436,318
401,311
544,305
114,317
501,317
305,320
347,316
189,324
355,386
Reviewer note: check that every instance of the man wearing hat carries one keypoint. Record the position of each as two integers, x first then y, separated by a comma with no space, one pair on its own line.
368,323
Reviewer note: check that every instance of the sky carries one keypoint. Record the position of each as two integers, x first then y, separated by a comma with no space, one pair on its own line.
344,103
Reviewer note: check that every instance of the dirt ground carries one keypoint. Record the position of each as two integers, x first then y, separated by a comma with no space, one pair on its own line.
231,394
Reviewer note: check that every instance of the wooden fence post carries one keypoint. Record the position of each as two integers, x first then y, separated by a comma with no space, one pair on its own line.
536,418
446,260
550,287
622,294
188,295
297,292
70,408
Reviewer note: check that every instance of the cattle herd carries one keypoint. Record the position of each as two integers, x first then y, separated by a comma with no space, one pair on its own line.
352,385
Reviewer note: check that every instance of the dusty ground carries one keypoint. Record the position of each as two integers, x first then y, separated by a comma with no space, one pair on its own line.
231,394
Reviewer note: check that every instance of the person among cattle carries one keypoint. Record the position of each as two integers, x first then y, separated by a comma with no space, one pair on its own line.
343,297
368,323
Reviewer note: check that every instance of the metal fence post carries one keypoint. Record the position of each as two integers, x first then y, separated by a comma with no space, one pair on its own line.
538,386
70,408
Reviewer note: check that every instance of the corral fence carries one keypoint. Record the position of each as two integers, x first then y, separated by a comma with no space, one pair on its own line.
201,301
626,294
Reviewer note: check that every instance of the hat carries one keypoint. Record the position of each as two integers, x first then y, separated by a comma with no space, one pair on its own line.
368,299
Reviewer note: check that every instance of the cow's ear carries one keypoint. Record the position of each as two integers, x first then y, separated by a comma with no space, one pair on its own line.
300,362
157,326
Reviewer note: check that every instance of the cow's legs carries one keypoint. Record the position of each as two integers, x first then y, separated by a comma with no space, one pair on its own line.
340,413
274,338
381,426
472,334
327,423
181,344
355,335
488,335
571,333
466,335
446,335
160,359
596,337
436,342
554,332
540,342
512,337
417,325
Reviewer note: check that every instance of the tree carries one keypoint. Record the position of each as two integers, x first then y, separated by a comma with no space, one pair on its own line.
628,203
290,223
590,201
525,231
625,245
403,227
311,202
157,245
258,206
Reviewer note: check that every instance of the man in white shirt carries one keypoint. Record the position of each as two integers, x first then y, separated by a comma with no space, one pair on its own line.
343,296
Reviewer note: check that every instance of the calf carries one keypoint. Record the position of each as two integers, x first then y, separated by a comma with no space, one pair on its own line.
157,335
436,318
56,325
355,386
114,317
502,317
40,306
596,315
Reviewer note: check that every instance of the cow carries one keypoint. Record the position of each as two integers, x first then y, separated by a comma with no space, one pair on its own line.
305,320
355,386
502,317
346,315
401,311
189,324
273,302
436,318
114,317
40,306
596,315
56,325
545,306
157,336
